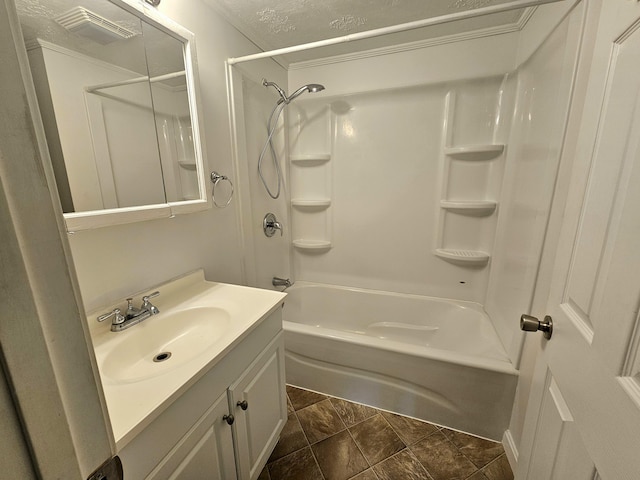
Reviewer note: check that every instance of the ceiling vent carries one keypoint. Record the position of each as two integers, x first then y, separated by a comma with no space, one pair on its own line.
84,22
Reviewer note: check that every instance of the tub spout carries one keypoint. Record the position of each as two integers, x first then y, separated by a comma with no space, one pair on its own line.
281,282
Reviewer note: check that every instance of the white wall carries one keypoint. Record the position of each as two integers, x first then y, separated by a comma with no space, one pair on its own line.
545,81
114,262
527,234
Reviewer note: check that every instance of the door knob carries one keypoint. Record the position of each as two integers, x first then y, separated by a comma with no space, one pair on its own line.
532,324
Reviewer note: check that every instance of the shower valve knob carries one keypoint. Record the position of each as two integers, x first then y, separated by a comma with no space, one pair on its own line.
532,324
270,224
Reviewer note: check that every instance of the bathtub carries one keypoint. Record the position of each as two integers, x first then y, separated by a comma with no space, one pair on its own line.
429,358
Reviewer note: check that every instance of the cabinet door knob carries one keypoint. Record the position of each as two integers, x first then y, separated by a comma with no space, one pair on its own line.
228,418
243,404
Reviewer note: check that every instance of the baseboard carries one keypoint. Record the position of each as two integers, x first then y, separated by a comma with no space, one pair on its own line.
510,449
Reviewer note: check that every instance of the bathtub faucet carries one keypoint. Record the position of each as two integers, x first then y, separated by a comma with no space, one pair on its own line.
281,282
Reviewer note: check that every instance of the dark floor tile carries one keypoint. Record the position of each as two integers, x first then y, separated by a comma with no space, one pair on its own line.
403,466
478,450
442,459
408,429
264,474
303,398
320,421
376,439
339,457
299,465
290,408
292,438
477,476
352,413
499,469
366,475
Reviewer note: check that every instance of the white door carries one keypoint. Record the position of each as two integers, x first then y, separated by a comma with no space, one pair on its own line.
583,418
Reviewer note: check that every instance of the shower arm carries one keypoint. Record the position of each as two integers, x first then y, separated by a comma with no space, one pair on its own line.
283,96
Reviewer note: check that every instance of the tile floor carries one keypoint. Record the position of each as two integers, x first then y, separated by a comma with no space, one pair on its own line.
327,438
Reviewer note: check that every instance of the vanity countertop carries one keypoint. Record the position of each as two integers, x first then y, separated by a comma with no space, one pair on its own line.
137,389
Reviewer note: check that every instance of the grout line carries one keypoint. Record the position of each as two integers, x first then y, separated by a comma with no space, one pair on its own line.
317,464
295,412
494,461
439,429
359,449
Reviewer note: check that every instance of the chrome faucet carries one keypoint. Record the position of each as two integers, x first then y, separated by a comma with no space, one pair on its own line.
133,315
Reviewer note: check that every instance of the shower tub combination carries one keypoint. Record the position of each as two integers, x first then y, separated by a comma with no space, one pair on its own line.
428,358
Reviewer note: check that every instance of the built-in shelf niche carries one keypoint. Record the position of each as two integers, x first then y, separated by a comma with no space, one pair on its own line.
311,199
189,165
312,245
463,257
465,185
310,159
475,152
317,204
479,208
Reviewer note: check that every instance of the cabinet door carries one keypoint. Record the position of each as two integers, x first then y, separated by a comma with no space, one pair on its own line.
257,428
206,451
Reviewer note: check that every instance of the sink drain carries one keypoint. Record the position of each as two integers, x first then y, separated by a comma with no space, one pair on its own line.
161,357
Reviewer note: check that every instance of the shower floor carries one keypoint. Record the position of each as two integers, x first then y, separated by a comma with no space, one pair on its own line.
329,438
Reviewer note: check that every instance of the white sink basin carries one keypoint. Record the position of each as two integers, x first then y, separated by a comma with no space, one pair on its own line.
199,323
163,342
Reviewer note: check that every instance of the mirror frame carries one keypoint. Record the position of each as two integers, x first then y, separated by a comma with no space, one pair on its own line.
116,216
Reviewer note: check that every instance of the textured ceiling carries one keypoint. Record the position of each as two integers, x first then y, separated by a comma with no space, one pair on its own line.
150,51
272,24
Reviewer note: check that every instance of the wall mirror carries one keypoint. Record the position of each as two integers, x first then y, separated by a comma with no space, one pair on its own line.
117,88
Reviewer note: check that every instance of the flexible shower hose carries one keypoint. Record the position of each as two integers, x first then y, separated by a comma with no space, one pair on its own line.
270,130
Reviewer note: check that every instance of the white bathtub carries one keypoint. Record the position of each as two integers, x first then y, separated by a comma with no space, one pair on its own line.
429,358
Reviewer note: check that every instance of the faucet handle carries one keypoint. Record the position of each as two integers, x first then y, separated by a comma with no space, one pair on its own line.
130,306
146,298
146,304
115,313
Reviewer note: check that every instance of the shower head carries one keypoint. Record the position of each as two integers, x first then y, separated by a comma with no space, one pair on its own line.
315,87
311,88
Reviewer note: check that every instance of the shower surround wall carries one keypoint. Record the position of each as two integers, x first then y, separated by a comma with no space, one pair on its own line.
253,104
384,194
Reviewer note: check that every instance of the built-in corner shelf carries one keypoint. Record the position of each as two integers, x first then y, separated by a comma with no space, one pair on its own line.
475,152
310,159
188,164
479,208
463,257
316,204
312,245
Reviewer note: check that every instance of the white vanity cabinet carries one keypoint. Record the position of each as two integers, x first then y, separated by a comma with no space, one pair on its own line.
206,451
226,424
261,410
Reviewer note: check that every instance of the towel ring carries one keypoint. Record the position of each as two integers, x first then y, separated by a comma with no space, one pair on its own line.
215,179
